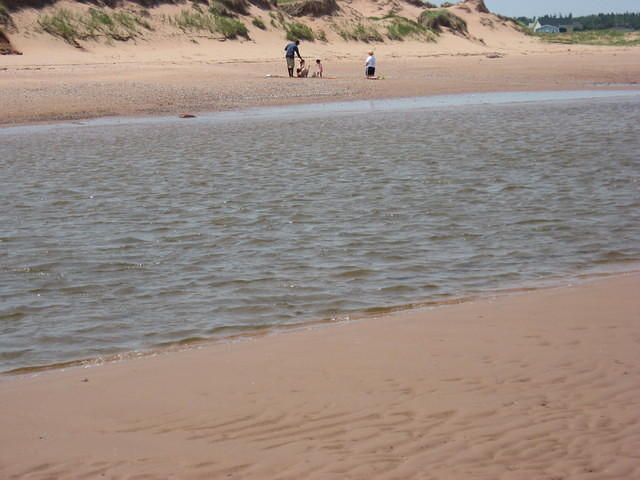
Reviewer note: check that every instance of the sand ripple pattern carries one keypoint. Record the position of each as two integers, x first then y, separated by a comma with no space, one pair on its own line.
121,236
432,408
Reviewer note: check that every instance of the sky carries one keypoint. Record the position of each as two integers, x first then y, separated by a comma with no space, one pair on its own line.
537,8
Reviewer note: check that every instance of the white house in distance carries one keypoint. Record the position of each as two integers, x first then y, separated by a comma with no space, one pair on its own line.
548,29
537,28
535,25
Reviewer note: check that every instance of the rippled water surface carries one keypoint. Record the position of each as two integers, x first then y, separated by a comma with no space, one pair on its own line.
122,235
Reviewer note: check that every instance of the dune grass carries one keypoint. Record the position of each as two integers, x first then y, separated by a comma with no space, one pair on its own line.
238,6
259,23
196,20
5,16
436,20
299,31
62,23
399,28
93,24
293,30
231,28
361,32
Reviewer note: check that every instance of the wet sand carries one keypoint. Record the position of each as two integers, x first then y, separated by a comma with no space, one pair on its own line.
543,384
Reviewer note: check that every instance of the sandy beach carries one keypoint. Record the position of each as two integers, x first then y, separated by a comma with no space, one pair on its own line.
168,73
541,384
53,92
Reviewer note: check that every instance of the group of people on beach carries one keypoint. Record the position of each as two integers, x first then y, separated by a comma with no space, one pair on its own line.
303,70
291,50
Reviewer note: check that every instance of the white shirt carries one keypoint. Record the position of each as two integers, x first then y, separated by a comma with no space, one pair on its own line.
371,61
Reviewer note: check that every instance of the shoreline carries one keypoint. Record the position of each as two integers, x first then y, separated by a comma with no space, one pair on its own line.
360,105
37,94
537,384
258,332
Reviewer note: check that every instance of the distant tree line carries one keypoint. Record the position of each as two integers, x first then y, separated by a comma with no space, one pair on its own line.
601,21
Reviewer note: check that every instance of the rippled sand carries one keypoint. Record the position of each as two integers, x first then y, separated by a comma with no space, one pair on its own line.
538,385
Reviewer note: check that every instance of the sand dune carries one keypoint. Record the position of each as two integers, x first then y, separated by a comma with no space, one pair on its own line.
537,385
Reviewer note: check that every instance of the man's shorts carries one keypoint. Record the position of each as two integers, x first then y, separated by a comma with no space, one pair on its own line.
291,62
371,71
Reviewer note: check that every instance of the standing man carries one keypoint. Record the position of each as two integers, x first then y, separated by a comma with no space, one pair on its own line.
291,50
370,65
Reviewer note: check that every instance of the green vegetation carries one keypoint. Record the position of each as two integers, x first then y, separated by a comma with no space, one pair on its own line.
62,23
216,8
277,19
437,19
601,21
231,28
188,20
5,16
239,6
594,37
258,22
298,31
399,28
225,8
117,26
92,24
360,32
211,22
313,8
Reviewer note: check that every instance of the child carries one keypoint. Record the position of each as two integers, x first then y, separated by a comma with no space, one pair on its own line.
318,71
370,65
303,71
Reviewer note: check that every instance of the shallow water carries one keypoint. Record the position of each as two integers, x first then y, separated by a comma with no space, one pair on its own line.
118,235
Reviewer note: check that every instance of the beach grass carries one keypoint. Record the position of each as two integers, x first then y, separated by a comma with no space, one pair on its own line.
617,38
217,8
61,23
259,23
231,28
436,20
399,27
293,30
93,24
228,27
299,31
238,6
321,35
117,25
187,20
5,16
360,31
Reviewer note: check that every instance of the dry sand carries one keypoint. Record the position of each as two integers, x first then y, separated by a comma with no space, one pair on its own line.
42,93
540,385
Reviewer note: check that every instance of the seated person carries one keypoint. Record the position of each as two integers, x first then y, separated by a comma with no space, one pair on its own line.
303,71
